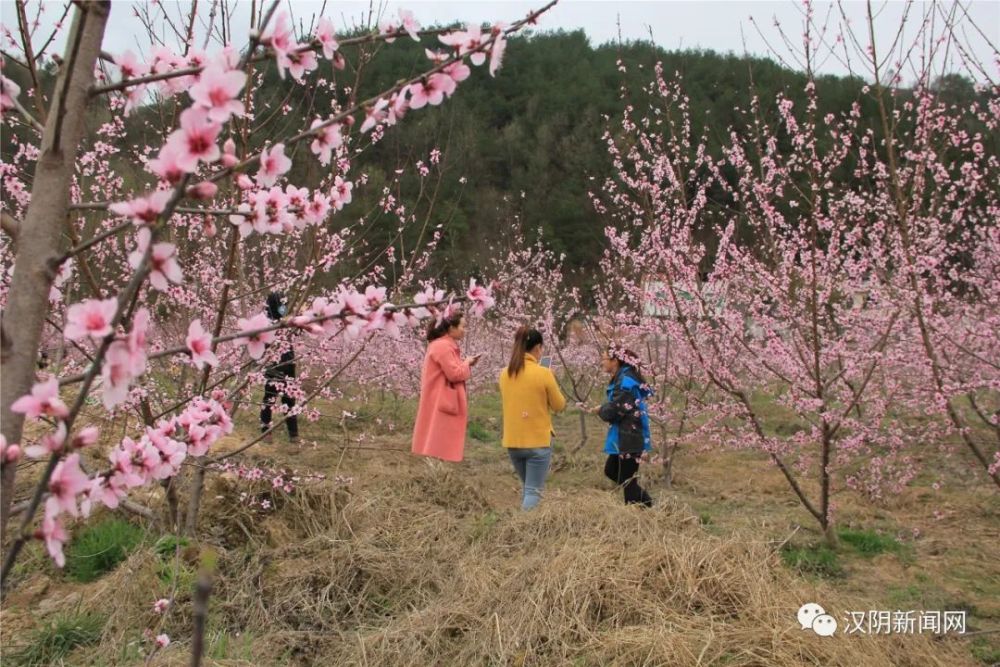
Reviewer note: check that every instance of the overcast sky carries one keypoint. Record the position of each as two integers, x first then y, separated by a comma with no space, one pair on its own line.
719,25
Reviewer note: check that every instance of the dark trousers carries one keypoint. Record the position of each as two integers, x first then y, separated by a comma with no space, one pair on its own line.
623,472
270,394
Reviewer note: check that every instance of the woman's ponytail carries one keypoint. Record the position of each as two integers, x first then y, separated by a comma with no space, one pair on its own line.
525,338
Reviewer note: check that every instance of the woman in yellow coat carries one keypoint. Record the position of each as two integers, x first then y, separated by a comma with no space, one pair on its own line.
530,396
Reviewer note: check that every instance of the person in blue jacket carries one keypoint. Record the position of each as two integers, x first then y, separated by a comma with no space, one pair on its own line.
628,431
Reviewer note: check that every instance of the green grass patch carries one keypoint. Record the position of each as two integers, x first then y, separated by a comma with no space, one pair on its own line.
177,575
484,524
905,596
168,544
480,432
869,543
985,650
223,646
100,547
51,643
818,560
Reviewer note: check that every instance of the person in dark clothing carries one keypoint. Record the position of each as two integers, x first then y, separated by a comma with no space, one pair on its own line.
278,374
628,431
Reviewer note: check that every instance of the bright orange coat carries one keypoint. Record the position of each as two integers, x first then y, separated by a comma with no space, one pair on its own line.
435,432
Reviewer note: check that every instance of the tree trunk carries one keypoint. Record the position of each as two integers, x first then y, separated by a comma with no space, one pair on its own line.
667,452
39,237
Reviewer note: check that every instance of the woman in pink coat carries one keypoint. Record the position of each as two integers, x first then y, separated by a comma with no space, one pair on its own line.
439,430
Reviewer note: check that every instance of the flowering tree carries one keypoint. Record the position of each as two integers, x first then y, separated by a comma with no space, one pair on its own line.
150,280
800,264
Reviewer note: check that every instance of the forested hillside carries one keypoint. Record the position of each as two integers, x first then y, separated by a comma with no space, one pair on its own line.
523,146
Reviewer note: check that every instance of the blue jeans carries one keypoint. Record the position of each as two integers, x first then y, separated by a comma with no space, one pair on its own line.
531,465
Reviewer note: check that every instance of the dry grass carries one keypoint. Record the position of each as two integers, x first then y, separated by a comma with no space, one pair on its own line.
421,569
428,564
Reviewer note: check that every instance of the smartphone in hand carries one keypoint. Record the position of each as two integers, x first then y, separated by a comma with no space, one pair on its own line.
545,362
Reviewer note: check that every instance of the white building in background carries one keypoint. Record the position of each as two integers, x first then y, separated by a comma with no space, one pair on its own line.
657,301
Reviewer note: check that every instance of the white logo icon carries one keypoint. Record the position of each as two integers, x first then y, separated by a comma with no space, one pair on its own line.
824,625
813,616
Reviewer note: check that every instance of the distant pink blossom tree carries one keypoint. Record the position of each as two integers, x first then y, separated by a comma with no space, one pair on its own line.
836,270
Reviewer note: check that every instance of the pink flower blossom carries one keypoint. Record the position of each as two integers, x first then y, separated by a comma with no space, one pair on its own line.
85,437
409,23
5,451
374,296
374,114
389,28
341,193
116,374
92,318
273,164
199,342
317,209
66,483
50,443
297,62
162,641
458,71
63,274
466,42
55,537
217,91
124,361
399,104
121,457
350,301
278,35
130,66
203,190
135,342
11,454
431,90
255,343
143,210
134,97
163,264
480,296
161,605
388,320
164,60
436,57
498,48
167,164
325,36
327,140
229,158
43,400
195,140
8,93
101,491
169,452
